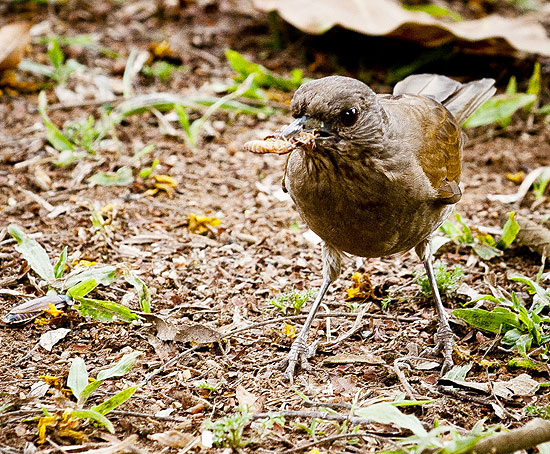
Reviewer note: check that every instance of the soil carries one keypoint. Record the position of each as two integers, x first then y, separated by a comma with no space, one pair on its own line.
224,278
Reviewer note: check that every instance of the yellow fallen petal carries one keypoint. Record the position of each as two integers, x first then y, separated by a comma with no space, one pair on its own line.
289,330
165,179
53,311
51,380
83,263
516,177
353,292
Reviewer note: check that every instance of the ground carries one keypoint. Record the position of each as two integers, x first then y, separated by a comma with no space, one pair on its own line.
224,278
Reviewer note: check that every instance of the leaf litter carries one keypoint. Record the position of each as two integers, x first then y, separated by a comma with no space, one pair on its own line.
198,280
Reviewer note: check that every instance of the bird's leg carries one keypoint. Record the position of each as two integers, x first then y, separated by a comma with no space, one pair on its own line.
444,336
299,351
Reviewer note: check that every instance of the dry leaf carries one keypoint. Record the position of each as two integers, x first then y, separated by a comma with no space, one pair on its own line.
14,38
246,398
172,438
50,338
199,334
536,237
492,35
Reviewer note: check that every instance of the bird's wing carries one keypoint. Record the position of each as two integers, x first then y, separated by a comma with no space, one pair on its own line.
440,155
435,138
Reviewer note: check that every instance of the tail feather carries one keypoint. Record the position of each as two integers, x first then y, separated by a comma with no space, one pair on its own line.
462,100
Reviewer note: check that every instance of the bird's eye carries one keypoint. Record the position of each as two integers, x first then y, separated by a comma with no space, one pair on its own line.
349,117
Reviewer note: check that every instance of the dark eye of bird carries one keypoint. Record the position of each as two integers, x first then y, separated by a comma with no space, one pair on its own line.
349,117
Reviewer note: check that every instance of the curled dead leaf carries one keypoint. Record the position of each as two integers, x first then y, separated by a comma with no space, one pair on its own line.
491,35
195,333
535,236
172,438
14,39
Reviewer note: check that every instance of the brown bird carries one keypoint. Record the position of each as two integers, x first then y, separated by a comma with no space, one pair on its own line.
382,175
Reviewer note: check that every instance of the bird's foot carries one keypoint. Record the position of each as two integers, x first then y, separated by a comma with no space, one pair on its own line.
299,351
444,342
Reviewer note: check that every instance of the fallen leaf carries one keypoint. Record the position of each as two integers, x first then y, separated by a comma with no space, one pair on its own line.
491,35
343,385
172,438
50,338
14,38
166,331
246,398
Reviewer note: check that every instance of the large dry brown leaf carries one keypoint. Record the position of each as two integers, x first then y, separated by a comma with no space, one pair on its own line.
14,38
493,34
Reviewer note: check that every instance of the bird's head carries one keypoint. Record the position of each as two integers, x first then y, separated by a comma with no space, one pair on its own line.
343,112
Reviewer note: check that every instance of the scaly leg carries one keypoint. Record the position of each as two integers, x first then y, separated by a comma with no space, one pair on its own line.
299,351
444,336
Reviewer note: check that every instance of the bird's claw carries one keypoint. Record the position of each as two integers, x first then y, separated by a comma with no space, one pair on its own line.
444,342
299,351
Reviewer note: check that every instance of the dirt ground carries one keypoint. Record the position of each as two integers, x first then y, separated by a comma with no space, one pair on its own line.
224,278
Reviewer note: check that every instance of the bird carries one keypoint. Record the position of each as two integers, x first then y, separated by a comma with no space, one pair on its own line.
381,175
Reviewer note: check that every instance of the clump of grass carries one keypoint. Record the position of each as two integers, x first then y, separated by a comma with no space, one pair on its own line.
292,299
447,280
228,431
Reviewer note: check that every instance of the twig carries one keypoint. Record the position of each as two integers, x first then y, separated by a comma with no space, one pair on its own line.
138,414
532,434
168,364
340,405
321,315
332,438
313,414
401,376
463,396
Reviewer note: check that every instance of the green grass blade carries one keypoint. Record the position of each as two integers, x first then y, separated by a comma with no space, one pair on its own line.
33,253
94,416
115,401
120,368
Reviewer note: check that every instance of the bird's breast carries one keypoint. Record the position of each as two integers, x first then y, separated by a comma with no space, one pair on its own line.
360,207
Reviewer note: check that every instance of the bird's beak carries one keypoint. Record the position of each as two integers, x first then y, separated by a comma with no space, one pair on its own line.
306,124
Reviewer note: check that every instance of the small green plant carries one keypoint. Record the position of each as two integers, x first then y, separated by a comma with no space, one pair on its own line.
228,431
61,70
537,411
79,383
311,430
86,134
447,280
291,300
261,76
484,245
520,326
192,129
203,384
500,109
161,69
81,281
539,186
